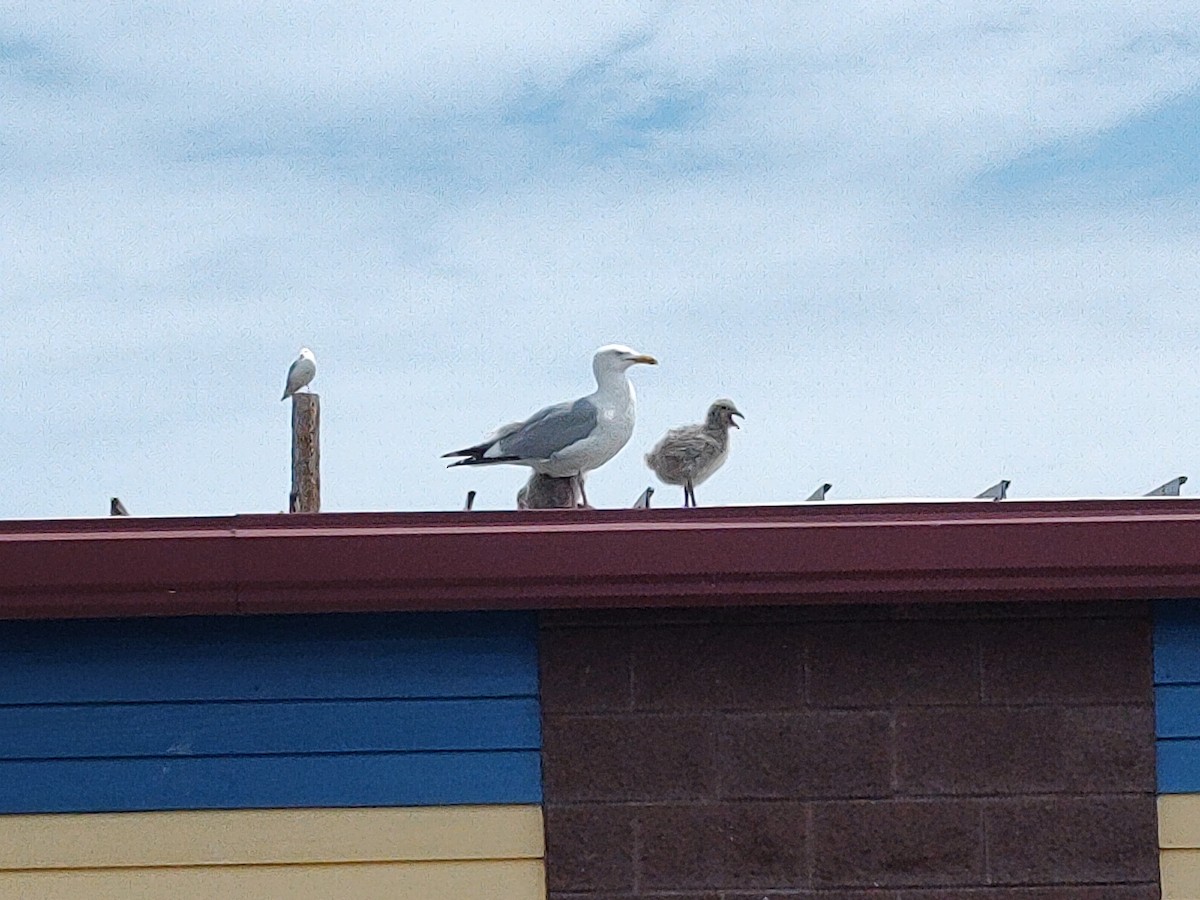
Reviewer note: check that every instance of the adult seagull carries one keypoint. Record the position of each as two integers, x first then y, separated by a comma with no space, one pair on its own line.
300,373
570,439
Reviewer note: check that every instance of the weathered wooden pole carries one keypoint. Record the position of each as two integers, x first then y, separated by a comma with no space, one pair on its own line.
306,454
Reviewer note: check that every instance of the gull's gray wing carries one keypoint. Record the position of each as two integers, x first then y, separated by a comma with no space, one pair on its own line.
550,430
300,372
291,379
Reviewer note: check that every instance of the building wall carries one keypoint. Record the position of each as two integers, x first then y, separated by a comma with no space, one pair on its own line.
994,752
1177,697
316,756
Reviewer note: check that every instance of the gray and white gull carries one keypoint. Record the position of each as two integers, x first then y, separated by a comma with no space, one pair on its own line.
689,455
569,439
302,371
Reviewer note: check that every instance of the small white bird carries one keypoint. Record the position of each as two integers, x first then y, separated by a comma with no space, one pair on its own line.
998,491
690,454
569,439
300,373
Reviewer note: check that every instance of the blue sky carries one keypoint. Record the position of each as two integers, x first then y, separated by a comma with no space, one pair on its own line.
922,246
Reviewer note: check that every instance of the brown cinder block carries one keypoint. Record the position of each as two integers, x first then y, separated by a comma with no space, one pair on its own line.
713,668
1028,750
723,845
993,752
1109,749
586,670
807,754
589,848
1064,661
888,663
897,844
972,750
628,757
1072,840
1060,892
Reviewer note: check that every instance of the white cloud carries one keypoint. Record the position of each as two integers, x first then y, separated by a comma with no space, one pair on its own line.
190,197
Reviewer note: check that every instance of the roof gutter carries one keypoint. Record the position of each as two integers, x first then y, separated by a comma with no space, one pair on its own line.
844,553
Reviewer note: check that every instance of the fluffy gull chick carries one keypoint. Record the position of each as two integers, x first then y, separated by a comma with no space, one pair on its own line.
689,455
572,438
547,492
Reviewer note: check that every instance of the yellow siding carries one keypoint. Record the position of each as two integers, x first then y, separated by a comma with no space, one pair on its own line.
1180,874
478,880
1179,821
410,853
225,837
1179,836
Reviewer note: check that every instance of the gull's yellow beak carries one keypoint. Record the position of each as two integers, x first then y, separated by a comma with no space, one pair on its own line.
643,358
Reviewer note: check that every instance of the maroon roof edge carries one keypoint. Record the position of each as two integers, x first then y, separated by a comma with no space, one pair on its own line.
817,553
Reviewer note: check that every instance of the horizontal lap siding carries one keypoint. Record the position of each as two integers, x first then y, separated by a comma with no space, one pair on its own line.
266,727
406,655
482,880
1177,703
461,852
1177,695
269,837
1179,837
244,782
1177,642
296,711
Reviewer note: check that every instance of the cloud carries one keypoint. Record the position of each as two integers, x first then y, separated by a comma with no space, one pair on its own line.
1151,154
613,106
866,223
24,63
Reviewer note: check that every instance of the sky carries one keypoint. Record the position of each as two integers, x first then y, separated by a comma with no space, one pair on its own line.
922,245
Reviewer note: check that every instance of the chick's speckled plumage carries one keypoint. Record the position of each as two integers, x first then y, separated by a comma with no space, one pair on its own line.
689,455
547,492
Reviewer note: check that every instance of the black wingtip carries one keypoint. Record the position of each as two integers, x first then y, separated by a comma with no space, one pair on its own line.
476,450
480,461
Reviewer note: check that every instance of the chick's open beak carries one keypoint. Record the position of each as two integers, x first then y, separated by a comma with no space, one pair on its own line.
733,423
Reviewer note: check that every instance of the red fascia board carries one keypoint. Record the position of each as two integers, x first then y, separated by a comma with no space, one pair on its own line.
843,553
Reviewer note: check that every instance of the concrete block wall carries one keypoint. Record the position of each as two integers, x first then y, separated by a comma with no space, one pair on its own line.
984,752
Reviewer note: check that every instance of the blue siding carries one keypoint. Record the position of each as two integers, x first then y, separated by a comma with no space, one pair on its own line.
1177,710
243,782
1177,695
1178,766
214,729
1177,642
269,658
280,711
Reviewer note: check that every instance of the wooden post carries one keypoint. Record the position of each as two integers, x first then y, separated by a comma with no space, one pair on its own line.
306,454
